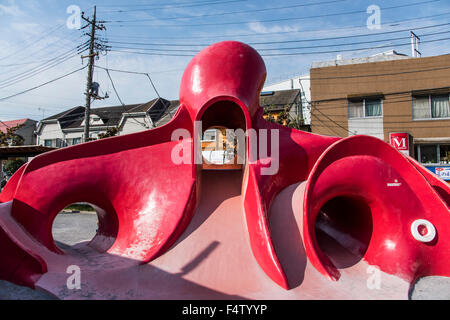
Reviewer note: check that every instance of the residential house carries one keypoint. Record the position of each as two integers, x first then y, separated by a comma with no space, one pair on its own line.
287,104
67,128
21,147
25,129
301,83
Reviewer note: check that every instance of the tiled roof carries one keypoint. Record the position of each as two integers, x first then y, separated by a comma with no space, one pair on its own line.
278,100
168,114
61,114
73,118
4,125
159,110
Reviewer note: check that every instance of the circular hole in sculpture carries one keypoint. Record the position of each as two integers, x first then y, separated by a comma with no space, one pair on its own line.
83,223
344,229
76,223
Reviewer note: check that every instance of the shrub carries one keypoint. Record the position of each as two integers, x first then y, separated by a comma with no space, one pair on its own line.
12,166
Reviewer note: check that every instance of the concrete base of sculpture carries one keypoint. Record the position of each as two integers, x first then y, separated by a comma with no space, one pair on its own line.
213,259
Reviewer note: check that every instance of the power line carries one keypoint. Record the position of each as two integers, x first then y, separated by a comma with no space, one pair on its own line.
153,72
190,5
154,88
131,72
266,55
154,54
41,85
22,63
59,26
122,71
282,19
347,50
120,100
232,12
291,48
379,74
134,72
48,60
48,48
151,5
114,87
265,34
309,107
396,123
39,51
46,97
288,41
41,68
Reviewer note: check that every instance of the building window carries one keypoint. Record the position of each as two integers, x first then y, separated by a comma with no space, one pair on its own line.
76,141
365,108
433,153
48,142
428,153
444,153
209,135
431,106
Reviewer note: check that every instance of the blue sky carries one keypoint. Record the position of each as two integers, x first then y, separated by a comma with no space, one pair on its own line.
36,43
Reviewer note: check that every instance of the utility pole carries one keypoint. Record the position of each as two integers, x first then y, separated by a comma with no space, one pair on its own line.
95,25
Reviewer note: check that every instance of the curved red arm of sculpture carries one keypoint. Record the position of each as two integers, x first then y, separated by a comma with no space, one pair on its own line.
146,200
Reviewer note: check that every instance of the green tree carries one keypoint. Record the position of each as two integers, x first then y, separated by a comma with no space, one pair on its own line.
285,118
16,140
110,132
12,166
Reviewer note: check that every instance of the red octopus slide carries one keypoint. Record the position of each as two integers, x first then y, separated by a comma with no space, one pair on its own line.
338,218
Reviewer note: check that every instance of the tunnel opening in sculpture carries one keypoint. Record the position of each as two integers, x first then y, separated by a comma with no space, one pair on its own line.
223,137
343,230
83,223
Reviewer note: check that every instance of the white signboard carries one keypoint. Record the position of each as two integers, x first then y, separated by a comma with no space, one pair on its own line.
443,172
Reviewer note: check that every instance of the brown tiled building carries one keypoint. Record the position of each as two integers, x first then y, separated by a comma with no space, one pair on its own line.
389,96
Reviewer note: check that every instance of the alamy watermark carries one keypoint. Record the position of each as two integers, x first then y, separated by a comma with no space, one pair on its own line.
374,20
74,280
374,280
258,148
74,20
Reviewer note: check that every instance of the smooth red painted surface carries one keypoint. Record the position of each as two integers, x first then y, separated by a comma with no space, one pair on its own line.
149,204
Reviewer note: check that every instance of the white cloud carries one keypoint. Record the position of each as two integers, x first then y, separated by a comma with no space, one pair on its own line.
260,28
12,9
26,28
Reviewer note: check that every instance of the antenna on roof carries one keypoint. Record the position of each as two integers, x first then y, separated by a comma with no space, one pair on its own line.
43,112
415,40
